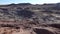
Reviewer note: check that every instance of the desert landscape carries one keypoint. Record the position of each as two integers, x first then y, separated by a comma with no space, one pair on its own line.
27,18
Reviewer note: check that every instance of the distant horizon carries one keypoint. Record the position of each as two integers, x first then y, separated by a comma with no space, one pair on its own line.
30,3
4,2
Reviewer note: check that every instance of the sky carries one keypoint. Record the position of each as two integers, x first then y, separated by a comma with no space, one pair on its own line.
28,1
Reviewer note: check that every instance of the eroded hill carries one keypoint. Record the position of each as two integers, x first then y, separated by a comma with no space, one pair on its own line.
26,18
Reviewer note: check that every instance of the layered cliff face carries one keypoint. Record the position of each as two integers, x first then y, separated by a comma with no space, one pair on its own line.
27,18
44,13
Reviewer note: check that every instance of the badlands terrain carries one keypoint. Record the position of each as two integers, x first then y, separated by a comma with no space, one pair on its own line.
26,18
